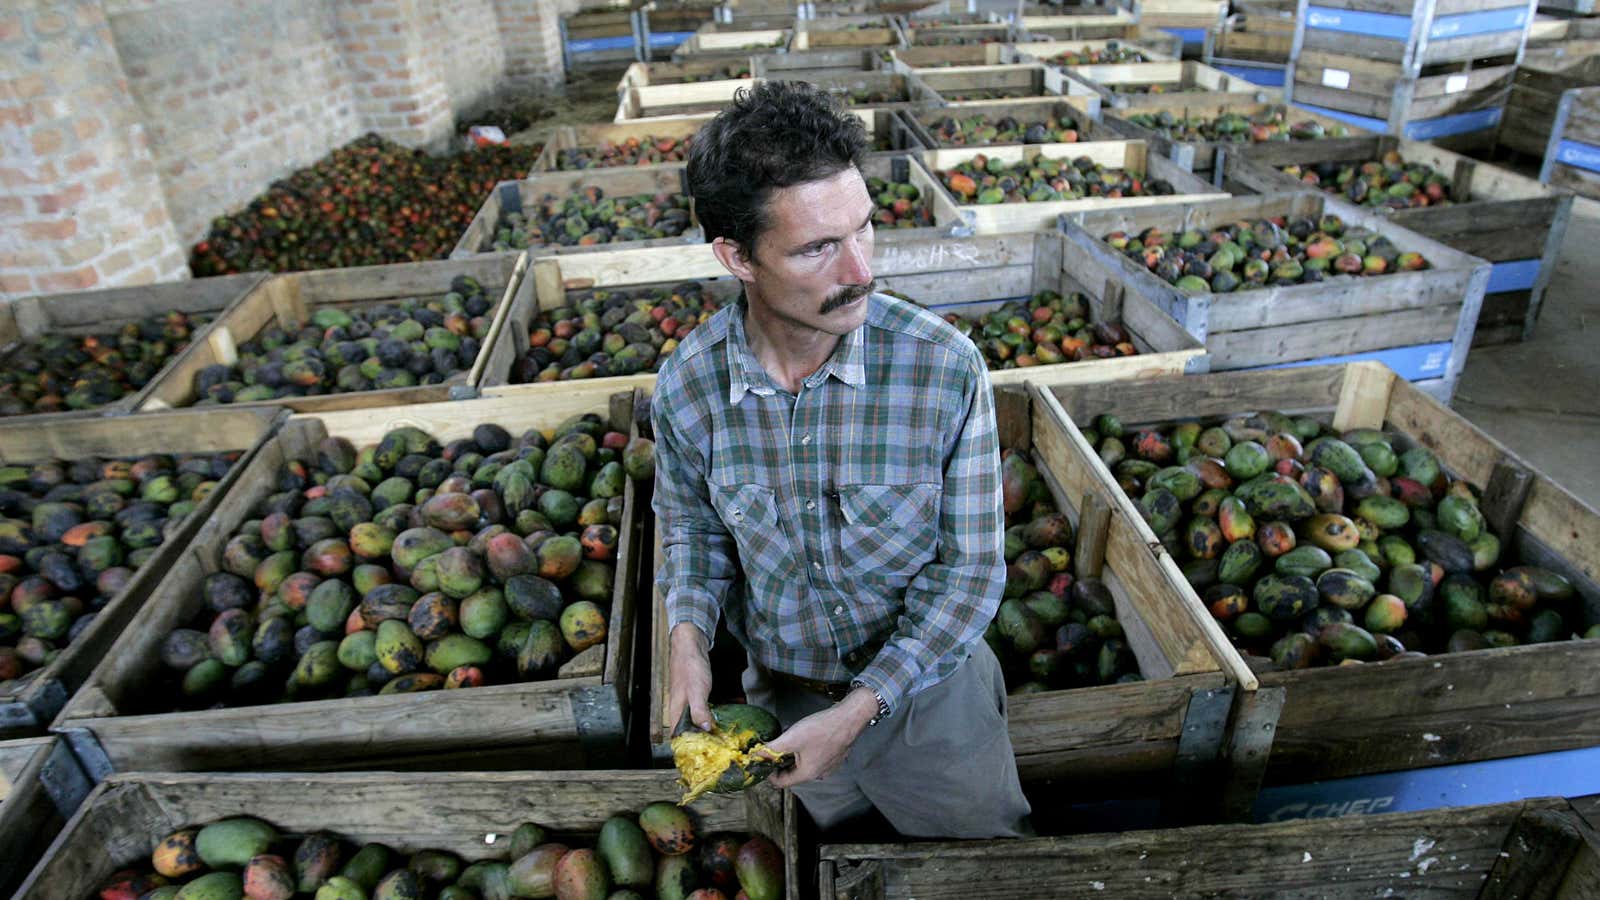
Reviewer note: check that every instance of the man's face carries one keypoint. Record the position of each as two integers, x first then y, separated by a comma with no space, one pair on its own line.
813,264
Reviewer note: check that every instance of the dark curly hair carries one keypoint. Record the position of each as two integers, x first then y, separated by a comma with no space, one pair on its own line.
775,135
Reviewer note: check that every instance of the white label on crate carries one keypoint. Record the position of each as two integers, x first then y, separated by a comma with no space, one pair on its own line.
1455,84
1336,78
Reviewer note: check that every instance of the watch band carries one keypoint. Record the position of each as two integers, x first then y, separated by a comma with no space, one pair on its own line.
883,706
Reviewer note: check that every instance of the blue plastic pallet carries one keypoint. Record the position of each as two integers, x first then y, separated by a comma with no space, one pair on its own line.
1578,155
1398,27
1266,76
598,45
1420,362
1516,275
665,39
1567,773
1420,129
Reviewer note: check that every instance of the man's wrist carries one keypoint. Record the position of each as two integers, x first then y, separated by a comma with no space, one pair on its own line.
875,702
690,632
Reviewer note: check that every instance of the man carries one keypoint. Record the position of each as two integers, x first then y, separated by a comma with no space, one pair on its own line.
827,479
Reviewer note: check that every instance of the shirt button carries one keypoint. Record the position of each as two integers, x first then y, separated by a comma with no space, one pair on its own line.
805,438
811,504
838,610
816,565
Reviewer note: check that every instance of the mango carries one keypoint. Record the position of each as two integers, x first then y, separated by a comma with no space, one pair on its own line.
542,650
213,886
675,878
414,545
316,860
232,842
533,875
401,884
460,572
399,650
626,852
175,856
268,877
580,875
527,836
456,650
760,869
340,888
366,867
330,605
433,616
668,828
318,666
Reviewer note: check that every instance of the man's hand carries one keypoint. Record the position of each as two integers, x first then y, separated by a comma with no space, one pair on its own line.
821,741
688,677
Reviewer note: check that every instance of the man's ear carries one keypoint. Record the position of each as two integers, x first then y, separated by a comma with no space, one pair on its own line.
733,259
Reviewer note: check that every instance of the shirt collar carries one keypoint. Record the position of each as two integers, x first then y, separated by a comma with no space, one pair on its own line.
745,373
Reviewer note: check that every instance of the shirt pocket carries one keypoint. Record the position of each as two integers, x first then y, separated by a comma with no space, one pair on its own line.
750,513
890,531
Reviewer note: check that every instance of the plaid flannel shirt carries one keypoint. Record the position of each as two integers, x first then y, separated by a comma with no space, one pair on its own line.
852,531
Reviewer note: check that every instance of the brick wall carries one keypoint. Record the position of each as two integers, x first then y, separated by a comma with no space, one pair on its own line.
469,49
234,96
126,126
81,205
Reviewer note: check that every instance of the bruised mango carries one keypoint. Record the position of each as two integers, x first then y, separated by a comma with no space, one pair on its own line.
668,828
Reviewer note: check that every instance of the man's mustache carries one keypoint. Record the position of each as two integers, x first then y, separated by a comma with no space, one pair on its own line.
847,296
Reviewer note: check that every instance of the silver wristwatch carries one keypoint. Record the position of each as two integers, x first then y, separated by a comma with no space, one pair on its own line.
883,706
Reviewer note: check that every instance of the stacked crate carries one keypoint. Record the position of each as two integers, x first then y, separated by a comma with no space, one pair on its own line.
1419,69
1572,160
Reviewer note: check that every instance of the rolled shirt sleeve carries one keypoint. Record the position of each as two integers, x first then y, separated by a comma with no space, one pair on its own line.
950,602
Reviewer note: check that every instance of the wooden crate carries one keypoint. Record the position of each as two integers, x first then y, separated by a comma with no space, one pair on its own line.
709,41
26,319
655,74
1080,110
575,720
1110,740
1512,221
937,35
1547,31
1166,43
814,63
1129,155
847,31
1252,38
1201,156
919,57
689,99
1533,848
906,91
1544,75
986,84
515,196
602,34
1179,82
40,787
942,273
27,704
1413,33
1412,713
1304,323
1045,51
1572,158
1456,102
466,814
573,137
292,297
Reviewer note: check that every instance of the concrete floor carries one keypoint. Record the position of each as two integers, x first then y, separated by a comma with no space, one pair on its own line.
1541,398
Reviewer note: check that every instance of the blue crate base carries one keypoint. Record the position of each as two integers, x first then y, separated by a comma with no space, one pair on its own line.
1398,28
601,45
662,40
1417,363
1568,773
1266,76
1188,35
1578,155
1421,129
1517,275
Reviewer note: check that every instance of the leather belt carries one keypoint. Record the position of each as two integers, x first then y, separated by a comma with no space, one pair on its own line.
833,690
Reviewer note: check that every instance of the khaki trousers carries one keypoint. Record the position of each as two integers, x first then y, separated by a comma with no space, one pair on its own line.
940,767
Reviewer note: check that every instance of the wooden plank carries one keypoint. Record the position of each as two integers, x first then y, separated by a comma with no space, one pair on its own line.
1290,343
468,814
567,720
1431,853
